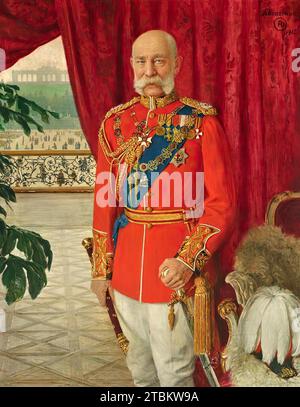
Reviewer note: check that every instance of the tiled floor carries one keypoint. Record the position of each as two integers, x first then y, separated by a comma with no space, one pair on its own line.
64,337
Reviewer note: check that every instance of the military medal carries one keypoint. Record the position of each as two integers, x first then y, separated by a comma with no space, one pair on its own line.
198,133
142,133
179,157
198,123
143,137
184,130
160,131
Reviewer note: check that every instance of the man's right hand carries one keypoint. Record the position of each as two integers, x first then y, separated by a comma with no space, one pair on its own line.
100,287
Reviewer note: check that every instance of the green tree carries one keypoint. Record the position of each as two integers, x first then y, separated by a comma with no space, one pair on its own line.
27,270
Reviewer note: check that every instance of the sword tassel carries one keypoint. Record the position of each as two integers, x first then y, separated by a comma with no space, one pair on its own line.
202,317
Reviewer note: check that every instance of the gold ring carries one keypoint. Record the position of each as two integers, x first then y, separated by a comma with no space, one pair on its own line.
165,272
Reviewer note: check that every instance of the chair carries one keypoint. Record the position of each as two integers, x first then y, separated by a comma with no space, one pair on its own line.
283,210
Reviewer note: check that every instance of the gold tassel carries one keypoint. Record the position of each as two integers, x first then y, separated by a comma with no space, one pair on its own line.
202,317
171,316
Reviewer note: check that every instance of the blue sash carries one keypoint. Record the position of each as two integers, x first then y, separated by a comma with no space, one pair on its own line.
133,194
145,178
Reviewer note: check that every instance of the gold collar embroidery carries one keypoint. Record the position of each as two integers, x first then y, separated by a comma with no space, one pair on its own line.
152,102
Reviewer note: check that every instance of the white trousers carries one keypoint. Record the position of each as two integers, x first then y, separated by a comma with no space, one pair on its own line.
157,356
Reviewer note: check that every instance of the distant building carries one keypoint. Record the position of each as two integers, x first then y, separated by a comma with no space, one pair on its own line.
45,74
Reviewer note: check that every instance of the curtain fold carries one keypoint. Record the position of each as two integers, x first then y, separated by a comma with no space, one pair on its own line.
25,25
236,56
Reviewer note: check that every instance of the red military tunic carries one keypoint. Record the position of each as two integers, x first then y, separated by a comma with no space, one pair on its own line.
142,247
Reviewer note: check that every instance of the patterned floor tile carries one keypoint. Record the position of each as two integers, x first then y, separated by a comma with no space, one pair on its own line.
10,365
39,377
64,337
76,366
113,374
14,342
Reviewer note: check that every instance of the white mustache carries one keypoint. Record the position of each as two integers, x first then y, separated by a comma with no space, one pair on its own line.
143,82
166,84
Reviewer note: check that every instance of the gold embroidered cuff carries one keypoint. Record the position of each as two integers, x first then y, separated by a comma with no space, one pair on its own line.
193,252
102,261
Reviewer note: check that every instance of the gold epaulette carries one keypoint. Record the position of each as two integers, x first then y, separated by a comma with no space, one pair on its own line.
201,107
122,106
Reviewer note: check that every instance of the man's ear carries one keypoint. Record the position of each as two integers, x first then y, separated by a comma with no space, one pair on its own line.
131,62
178,63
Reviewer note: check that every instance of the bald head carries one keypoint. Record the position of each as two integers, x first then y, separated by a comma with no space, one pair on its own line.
155,38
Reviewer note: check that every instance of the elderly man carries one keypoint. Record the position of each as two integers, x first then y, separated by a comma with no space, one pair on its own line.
146,249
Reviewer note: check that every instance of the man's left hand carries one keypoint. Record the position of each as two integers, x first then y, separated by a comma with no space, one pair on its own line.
178,274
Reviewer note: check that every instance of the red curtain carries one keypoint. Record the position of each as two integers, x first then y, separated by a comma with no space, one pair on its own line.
25,25
237,56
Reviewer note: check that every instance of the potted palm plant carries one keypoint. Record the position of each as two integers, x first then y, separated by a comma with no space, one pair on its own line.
24,254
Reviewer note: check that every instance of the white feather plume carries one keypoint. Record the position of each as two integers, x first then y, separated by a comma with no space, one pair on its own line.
275,330
294,320
268,318
249,326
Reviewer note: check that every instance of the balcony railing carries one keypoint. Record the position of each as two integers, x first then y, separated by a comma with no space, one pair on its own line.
51,170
